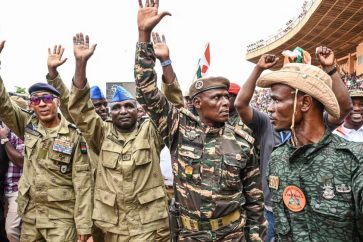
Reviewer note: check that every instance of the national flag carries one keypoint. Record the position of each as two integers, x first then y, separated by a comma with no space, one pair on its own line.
203,63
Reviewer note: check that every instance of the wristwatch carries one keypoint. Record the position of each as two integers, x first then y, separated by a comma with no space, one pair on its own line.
3,141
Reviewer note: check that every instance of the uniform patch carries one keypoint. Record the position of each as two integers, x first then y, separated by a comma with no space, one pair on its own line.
294,198
273,182
62,146
83,147
343,188
191,135
328,192
189,171
126,157
63,169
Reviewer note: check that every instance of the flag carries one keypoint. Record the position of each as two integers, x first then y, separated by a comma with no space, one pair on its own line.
203,63
298,55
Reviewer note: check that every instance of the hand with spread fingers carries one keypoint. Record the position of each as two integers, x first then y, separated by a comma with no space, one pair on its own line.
160,47
2,43
55,60
267,61
81,47
148,17
325,56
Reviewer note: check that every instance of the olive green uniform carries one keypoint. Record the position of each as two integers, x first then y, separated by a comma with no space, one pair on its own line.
55,197
130,198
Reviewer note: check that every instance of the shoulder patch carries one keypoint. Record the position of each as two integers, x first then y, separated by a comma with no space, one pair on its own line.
189,114
238,130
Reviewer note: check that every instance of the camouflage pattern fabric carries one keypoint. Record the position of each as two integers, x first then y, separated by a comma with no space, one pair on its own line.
215,170
330,174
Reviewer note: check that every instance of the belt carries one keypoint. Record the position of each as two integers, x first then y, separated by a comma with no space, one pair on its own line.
210,224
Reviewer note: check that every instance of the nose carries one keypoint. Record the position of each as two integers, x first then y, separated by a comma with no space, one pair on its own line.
123,110
270,107
225,101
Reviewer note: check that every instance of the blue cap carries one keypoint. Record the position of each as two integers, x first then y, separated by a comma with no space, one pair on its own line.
42,86
121,94
96,93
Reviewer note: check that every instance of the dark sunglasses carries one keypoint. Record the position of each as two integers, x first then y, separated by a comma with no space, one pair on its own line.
48,98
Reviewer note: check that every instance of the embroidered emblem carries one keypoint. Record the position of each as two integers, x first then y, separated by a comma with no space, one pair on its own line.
328,191
198,85
294,198
63,169
83,147
189,171
191,135
274,182
343,188
126,157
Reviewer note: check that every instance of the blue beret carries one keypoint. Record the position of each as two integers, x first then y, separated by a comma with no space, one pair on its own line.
96,93
42,86
121,94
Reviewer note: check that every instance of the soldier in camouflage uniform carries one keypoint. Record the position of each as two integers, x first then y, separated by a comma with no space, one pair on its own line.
316,178
55,197
216,174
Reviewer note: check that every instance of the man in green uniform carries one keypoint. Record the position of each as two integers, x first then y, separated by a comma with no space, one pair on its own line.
316,178
55,198
216,175
130,199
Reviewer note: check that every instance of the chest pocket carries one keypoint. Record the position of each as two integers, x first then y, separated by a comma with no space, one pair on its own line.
110,156
141,152
30,141
230,172
60,161
189,167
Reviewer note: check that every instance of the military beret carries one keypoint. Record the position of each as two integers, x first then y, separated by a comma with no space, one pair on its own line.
121,94
42,86
234,88
208,83
96,93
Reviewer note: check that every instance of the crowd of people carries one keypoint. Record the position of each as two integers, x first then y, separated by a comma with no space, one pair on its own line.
223,162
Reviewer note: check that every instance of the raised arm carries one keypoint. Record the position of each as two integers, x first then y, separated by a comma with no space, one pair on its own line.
15,156
53,78
80,106
163,113
170,85
326,58
245,94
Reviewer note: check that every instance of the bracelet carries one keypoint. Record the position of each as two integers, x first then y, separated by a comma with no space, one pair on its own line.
166,63
332,71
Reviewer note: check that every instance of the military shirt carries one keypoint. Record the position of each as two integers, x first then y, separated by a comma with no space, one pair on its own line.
55,188
215,170
130,196
329,205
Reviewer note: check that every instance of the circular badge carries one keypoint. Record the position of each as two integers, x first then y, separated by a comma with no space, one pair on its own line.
198,85
294,198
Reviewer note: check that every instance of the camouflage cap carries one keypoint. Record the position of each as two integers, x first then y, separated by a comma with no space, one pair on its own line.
356,93
307,78
208,83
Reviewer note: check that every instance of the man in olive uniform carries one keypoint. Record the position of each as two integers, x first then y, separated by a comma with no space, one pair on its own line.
130,198
216,174
316,178
55,197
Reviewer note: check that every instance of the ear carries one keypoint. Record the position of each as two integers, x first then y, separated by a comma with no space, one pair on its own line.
306,103
196,102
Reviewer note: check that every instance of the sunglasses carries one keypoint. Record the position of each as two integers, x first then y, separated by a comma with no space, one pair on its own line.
48,98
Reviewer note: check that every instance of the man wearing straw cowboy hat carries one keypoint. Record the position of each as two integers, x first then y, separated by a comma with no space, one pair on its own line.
316,178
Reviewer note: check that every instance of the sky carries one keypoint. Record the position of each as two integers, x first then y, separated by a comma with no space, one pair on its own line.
31,27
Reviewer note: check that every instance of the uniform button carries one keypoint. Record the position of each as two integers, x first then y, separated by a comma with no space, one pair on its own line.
317,205
238,157
106,197
64,193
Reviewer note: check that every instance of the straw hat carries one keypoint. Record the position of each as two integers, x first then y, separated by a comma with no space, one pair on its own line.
19,101
308,79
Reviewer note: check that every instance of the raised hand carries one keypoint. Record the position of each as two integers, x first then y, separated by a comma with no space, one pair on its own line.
148,17
267,61
160,47
325,56
55,57
2,43
81,47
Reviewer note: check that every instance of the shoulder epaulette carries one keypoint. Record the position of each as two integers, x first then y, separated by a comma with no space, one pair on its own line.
189,114
238,130
73,126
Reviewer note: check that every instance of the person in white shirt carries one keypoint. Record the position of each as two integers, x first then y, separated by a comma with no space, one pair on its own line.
352,128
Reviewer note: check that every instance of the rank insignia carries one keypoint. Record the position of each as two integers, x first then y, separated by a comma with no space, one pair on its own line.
62,146
343,188
189,171
63,169
274,182
328,192
294,198
83,147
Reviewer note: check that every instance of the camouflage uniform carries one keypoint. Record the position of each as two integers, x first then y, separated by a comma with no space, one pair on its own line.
330,174
215,171
130,199
55,198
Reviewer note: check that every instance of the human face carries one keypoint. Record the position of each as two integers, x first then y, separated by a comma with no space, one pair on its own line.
213,106
124,115
354,120
101,108
45,105
188,104
232,99
281,107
